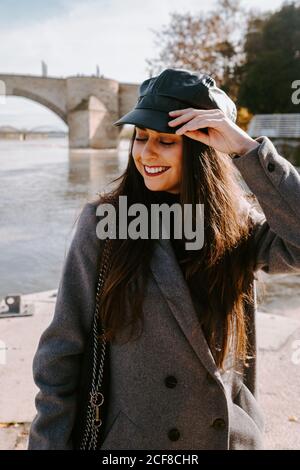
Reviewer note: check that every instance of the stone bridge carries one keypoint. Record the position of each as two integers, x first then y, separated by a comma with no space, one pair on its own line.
88,105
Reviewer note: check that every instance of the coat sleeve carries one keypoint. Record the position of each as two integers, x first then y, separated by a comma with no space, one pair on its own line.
56,361
276,184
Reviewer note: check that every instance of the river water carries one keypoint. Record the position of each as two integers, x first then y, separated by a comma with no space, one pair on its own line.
43,186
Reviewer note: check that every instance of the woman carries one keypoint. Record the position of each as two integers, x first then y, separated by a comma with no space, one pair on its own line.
188,379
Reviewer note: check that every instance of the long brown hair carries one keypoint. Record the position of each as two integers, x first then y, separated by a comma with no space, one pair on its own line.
221,271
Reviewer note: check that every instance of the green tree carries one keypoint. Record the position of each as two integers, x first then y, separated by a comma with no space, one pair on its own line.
272,61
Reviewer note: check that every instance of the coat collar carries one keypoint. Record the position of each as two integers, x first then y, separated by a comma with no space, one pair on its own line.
174,288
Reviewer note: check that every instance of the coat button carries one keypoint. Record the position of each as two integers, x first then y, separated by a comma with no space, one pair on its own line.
271,166
170,381
174,434
219,423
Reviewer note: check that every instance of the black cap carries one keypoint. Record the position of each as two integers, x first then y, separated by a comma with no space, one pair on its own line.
175,89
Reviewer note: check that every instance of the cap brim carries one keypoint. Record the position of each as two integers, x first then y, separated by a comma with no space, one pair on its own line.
149,118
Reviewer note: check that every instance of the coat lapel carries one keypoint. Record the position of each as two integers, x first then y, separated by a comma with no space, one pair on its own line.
173,286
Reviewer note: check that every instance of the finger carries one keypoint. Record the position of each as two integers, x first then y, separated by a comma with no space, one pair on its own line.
179,111
194,112
198,135
197,123
183,118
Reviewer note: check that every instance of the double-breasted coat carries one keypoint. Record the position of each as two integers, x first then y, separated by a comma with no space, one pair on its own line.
166,391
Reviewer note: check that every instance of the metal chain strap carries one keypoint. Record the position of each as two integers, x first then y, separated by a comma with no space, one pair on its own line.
93,418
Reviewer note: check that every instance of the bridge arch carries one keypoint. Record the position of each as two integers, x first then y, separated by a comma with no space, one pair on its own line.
88,105
41,100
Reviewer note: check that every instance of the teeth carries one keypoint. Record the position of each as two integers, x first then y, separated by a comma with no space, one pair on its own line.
157,169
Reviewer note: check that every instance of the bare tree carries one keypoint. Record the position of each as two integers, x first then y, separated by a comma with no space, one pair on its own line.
210,42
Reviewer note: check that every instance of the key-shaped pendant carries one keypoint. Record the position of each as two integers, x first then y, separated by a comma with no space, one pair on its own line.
97,420
97,400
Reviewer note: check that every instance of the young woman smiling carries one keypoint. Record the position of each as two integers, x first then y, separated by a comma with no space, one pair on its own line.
189,379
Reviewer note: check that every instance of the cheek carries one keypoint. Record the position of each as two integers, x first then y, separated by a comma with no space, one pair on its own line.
135,159
176,162
137,152
138,166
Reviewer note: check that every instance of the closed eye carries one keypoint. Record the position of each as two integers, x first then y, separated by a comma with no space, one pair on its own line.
164,143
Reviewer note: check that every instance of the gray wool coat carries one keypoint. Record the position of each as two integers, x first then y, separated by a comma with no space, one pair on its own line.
166,391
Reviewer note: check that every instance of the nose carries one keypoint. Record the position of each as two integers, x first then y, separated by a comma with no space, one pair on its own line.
149,152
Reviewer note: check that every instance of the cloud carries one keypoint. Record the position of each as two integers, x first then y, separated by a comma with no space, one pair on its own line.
72,36
118,38
14,12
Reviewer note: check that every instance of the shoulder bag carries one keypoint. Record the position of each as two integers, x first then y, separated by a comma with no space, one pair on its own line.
94,380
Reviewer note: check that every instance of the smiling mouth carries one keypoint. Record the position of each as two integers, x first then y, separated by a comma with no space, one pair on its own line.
155,170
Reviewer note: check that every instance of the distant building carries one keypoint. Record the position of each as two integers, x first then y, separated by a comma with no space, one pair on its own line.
282,129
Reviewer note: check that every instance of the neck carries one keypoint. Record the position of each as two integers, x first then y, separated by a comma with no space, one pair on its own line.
164,196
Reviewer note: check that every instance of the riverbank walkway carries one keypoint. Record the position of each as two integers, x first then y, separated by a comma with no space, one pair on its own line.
278,373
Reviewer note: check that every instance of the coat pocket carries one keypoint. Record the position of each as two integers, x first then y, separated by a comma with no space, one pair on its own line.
248,402
123,434
247,422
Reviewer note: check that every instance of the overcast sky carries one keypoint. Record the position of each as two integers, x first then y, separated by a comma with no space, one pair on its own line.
73,36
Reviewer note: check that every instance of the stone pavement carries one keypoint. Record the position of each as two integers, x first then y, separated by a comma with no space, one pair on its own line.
278,373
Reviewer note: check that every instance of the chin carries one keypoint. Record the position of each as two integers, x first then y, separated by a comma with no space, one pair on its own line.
155,187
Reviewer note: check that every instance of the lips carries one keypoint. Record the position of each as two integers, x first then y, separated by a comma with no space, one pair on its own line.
155,170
